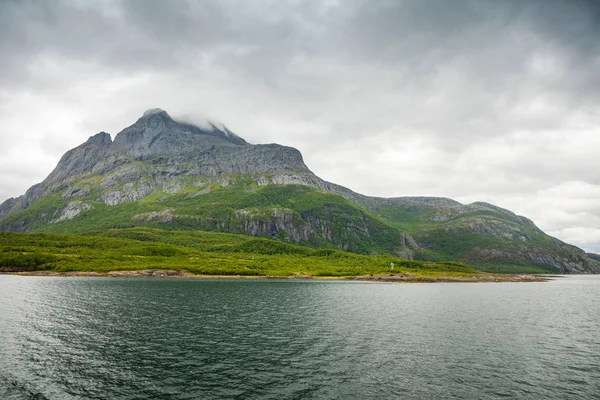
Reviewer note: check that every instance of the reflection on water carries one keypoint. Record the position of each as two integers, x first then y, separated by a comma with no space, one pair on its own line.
107,338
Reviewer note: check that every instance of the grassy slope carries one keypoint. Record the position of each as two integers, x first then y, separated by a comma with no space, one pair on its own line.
215,211
455,239
205,253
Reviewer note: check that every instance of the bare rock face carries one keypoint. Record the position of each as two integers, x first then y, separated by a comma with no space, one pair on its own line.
130,192
72,210
156,134
163,216
123,174
593,256
79,161
574,262
8,206
75,192
101,139
167,149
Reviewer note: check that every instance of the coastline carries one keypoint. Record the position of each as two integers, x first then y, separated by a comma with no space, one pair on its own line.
386,278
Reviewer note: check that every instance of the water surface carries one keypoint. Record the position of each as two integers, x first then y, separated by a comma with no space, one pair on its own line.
111,338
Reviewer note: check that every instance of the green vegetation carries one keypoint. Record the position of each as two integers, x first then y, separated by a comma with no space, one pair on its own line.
300,215
27,261
519,267
204,253
465,236
332,219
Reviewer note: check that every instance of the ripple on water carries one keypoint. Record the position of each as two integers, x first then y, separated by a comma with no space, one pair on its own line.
73,338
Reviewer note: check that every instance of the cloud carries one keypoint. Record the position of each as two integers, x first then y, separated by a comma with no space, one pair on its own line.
475,100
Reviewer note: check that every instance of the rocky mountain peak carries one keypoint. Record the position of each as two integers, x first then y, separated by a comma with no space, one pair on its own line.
157,134
170,151
154,111
101,139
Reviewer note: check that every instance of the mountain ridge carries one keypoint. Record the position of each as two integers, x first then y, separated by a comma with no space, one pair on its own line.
162,172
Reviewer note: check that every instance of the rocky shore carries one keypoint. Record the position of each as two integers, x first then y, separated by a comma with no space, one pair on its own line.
408,278
474,278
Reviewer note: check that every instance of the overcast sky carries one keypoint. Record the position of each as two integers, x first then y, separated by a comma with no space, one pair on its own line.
496,100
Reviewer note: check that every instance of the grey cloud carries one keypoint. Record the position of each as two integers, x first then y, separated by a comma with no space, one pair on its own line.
490,100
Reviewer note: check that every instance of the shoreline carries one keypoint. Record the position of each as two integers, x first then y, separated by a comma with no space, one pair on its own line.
386,278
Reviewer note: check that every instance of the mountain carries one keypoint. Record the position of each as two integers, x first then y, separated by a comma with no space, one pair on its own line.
163,173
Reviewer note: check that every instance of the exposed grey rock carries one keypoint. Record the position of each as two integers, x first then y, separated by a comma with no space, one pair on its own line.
593,256
169,149
123,174
131,191
156,133
101,139
163,216
577,263
75,192
7,206
262,181
203,191
287,224
172,186
153,111
72,210
224,182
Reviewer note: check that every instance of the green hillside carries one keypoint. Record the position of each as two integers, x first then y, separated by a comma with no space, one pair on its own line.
298,214
202,253
488,237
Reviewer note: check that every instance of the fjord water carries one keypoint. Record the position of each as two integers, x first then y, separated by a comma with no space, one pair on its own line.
110,338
